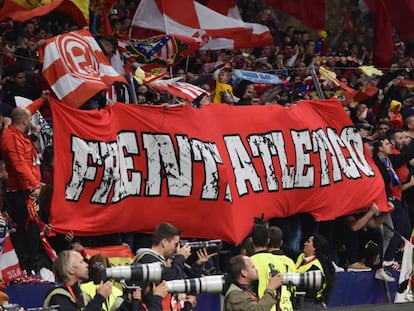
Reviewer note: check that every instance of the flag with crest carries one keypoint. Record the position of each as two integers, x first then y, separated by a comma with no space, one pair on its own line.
76,68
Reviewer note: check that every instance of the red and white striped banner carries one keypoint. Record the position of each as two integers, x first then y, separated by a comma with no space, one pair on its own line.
181,89
76,68
9,263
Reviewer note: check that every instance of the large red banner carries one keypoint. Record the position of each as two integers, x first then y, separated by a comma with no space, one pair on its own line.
209,171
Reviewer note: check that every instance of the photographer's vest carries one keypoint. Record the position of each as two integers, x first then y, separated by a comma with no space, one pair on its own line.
262,260
305,266
288,292
169,303
64,292
112,303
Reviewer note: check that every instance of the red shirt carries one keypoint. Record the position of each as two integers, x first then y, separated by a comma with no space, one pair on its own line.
19,156
402,173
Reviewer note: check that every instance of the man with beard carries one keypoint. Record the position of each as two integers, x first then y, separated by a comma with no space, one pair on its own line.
22,163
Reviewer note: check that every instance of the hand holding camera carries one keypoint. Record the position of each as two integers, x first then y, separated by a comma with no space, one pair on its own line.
160,290
184,250
105,289
275,281
203,256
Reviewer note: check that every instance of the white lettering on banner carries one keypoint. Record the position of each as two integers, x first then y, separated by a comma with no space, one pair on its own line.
162,160
112,166
243,167
208,153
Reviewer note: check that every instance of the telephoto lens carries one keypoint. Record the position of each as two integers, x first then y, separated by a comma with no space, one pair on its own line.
210,245
310,280
151,272
212,284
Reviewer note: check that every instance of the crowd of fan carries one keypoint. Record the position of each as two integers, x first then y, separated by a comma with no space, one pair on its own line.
384,104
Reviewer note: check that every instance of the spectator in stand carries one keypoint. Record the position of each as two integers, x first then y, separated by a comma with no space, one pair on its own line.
409,124
361,228
22,163
381,129
364,129
387,162
246,93
223,91
17,85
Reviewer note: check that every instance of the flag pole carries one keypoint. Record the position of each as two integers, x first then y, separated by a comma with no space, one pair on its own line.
186,63
133,91
318,87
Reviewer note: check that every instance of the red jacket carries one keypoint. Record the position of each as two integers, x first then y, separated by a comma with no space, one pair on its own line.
19,156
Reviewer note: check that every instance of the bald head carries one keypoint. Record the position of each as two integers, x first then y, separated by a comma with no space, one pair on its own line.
19,114
21,118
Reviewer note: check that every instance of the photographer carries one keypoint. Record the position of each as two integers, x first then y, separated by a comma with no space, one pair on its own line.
242,295
167,250
121,300
70,270
316,256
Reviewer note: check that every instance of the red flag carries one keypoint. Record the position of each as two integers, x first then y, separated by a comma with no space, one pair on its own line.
401,13
209,171
310,12
76,68
191,19
160,51
180,89
32,209
383,46
22,11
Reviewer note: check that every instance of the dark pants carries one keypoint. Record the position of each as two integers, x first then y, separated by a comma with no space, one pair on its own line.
356,245
401,223
26,239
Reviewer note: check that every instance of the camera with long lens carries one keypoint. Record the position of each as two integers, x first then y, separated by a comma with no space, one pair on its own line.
210,245
212,284
150,272
307,280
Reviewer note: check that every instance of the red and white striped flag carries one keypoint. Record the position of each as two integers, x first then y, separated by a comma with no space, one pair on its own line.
76,68
180,89
9,263
192,19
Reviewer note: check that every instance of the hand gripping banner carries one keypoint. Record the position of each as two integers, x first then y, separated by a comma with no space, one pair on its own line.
209,171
